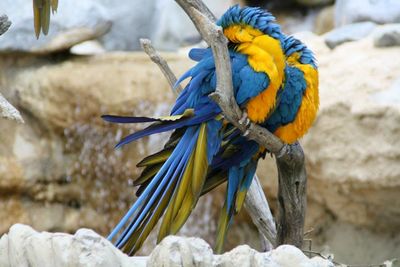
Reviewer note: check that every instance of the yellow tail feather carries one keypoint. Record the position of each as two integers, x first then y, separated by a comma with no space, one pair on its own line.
222,229
147,174
176,202
200,162
159,157
45,17
240,197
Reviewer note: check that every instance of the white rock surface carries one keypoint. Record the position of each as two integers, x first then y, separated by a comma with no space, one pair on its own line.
23,247
348,33
378,11
72,16
387,35
162,20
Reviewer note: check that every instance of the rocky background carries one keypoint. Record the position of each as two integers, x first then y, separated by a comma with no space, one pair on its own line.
59,171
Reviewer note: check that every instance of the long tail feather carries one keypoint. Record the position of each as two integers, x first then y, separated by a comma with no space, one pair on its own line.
223,225
156,158
127,119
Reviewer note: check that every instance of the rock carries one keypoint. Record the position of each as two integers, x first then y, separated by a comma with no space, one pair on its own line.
87,48
162,20
23,246
7,111
177,251
388,35
353,169
348,33
86,21
378,11
71,38
325,20
311,3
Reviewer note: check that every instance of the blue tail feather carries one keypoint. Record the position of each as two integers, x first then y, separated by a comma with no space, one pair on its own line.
127,119
187,143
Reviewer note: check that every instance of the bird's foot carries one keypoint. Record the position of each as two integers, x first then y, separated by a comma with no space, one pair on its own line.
244,120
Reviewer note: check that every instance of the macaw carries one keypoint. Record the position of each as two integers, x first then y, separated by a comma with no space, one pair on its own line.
205,150
294,114
41,15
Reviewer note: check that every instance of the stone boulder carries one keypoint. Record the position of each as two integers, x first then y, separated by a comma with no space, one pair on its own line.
348,33
116,26
378,11
71,25
325,20
23,247
387,35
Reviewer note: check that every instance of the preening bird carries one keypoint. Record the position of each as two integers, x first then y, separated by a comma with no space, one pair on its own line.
275,81
41,15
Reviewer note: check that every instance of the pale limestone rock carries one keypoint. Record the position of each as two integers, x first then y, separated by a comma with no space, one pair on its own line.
325,20
23,247
348,33
175,251
387,35
378,11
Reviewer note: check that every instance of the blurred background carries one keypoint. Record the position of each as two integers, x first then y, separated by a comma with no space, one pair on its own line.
59,171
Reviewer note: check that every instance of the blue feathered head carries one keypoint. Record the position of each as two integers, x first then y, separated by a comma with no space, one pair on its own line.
292,45
252,16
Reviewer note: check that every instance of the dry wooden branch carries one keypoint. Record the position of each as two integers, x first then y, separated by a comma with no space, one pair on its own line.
292,197
4,24
161,63
223,96
7,110
257,206
255,203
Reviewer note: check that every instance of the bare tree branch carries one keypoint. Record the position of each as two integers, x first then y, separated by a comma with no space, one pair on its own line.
7,110
292,197
4,24
257,206
161,63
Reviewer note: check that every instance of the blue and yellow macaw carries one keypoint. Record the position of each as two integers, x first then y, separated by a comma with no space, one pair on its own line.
294,114
274,80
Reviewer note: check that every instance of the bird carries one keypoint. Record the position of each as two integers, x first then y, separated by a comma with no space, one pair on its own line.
291,119
41,15
204,150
